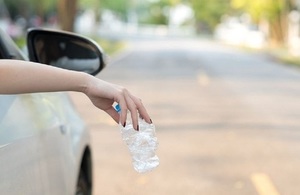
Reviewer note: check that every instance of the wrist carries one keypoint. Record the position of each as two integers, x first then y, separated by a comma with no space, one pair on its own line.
85,80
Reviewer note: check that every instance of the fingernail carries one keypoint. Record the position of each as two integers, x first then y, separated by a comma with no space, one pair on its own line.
151,120
137,128
124,124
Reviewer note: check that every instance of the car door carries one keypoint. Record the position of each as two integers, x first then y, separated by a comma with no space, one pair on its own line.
33,142
27,160
44,144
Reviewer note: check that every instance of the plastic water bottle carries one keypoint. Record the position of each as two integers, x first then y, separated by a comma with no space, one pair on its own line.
142,144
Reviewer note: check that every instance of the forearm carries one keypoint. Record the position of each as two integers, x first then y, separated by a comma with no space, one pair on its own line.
26,77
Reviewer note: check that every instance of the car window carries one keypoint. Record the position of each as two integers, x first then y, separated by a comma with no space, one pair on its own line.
1,55
2,49
8,48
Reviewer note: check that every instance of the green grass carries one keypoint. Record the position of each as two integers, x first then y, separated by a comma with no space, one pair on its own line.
290,60
111,47
285,57
279,54
21,42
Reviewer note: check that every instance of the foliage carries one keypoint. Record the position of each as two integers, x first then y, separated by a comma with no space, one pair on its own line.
157,12
269,9
26,8
88,3
209,12
120,7
29,9
275,12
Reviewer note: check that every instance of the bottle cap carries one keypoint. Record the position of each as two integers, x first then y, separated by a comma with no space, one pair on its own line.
118,108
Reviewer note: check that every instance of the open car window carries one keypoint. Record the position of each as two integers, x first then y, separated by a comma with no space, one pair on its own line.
8,48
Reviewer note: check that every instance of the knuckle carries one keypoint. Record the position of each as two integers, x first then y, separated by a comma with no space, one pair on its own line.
139,104
123,90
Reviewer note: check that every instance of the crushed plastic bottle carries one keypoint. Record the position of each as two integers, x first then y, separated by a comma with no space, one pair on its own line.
142,144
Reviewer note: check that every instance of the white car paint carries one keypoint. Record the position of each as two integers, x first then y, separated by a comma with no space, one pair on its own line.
42,139
42,142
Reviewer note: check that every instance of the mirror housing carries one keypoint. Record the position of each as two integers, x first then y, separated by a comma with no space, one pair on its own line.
65,50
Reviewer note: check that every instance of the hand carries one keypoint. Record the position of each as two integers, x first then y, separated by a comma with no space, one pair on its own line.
29,77
103,95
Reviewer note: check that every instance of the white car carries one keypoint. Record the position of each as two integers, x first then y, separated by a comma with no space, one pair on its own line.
44,144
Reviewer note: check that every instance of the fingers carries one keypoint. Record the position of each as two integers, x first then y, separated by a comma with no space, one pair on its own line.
104,94
123,114
114,114
141,109
136,108
133,110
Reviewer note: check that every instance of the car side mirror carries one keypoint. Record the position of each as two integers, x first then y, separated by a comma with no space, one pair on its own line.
65,50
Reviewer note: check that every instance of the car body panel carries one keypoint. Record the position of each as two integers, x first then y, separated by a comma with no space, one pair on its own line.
41,136
42,139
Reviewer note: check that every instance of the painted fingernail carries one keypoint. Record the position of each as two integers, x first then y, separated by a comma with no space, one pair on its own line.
124,124
151,120
137,128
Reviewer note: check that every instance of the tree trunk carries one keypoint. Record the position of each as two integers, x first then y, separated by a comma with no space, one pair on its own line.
279,29
67,10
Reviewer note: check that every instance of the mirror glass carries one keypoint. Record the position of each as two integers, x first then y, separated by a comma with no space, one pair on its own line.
67,52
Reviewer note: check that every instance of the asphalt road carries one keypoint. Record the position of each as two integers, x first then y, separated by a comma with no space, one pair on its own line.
227,121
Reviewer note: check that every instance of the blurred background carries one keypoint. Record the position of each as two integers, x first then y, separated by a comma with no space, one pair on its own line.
255,24
220,79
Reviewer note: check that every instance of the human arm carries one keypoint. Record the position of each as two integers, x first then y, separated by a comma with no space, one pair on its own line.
18,77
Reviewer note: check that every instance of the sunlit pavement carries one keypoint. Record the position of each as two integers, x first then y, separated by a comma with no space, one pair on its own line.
227,122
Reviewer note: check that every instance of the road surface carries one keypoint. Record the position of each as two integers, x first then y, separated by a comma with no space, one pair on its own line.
228,121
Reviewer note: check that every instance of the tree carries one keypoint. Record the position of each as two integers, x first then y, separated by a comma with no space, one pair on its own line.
119,7
274,11
157,12
27,8
42,8
208,13
94,4
67,10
